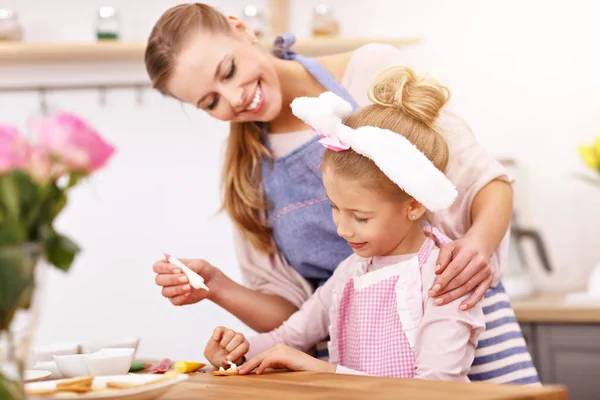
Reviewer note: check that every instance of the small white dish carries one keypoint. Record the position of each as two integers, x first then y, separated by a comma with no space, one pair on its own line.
103,362
71,366
148,391
48,366
34,375
46,353
109,362
124,342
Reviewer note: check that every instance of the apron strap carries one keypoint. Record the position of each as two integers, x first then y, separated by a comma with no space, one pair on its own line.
435,238
282,48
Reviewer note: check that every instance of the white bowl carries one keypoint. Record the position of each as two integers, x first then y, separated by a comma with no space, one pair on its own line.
72,366
48,366
103,362
46,353
130,342
110,361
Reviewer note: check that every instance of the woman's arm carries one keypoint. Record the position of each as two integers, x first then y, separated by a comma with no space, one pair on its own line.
478,220
465,263
491,213
260,311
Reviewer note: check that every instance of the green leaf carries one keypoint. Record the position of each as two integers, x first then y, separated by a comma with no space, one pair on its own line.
588,179
16,280
11,389
28,188
75,177
60,251
12,232
58,204
9,195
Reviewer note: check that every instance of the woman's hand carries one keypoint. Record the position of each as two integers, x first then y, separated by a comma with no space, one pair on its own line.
226,345
463,266
282,356
175,284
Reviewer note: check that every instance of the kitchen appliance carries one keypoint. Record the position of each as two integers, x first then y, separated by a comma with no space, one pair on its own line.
527,251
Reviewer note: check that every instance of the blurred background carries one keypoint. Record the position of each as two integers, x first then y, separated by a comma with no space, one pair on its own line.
523,73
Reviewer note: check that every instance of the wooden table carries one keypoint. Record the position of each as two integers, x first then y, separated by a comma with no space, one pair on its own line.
310,385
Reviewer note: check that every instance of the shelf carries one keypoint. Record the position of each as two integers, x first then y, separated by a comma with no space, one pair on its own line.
23,52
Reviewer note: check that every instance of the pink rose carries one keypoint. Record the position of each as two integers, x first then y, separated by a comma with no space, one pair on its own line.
40,165
14,149
76,143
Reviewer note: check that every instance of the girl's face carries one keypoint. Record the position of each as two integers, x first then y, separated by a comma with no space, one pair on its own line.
372,224
227,76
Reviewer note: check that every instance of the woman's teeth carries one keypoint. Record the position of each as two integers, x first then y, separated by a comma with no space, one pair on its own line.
256,100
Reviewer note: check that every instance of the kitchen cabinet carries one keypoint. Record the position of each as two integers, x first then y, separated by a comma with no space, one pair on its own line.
564,341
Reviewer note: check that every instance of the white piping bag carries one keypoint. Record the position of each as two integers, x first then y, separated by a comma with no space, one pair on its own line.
196,280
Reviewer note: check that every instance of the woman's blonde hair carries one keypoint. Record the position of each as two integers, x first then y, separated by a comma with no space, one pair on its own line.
403,103
243,199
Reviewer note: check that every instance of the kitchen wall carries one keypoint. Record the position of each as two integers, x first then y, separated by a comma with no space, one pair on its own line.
523,73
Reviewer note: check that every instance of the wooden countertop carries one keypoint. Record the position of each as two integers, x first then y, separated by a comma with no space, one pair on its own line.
552,308
30,52
310,385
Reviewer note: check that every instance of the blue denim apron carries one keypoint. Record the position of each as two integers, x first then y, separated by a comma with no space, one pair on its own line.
300,213
305,234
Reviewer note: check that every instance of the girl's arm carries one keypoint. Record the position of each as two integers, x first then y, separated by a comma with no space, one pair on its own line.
303,329
446,338
262,312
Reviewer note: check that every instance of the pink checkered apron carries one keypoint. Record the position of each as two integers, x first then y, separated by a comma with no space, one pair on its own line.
371,338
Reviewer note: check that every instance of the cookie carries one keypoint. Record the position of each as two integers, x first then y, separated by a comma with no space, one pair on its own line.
79,381
40,392
225,373
122,385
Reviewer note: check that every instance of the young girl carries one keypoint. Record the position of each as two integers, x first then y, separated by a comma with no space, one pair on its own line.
383,173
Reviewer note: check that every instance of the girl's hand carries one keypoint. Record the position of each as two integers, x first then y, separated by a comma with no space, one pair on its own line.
226,345
282,356
175,284
464,267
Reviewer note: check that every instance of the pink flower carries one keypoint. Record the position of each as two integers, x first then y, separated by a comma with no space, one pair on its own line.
14,149
76,143
40,165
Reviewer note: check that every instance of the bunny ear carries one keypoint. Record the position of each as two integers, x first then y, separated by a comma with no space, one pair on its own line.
335,104
323,113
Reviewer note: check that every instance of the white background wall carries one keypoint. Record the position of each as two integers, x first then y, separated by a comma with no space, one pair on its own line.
523,73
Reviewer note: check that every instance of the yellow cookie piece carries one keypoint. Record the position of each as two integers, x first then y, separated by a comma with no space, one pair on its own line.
187,366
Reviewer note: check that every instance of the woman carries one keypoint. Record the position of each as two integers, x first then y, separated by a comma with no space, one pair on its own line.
273,190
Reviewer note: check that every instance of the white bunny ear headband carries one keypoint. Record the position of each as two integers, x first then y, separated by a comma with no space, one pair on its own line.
397,157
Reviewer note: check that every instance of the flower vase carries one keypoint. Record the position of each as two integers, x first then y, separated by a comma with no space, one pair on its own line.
18,315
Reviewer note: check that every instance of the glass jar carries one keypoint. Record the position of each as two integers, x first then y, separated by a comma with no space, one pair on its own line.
10,28
256,20
108,25
324,23
19,314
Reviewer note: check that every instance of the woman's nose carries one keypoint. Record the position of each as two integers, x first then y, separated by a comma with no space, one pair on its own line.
235,97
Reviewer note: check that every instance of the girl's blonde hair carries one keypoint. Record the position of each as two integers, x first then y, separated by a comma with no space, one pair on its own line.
243,199
405,104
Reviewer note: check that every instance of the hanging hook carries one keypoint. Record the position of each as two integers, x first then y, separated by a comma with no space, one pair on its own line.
102,91
140,95
44,109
